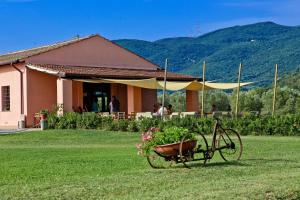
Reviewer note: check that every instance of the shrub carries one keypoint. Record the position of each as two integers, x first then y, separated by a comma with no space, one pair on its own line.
122,124
52,120
133,126
88,120
68,121
106,123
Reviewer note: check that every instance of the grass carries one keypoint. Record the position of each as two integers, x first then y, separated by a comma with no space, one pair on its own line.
104,165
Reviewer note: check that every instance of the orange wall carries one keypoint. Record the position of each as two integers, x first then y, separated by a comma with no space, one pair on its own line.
149,98
192,101
41,93
134,99
77,94
120,91
10,77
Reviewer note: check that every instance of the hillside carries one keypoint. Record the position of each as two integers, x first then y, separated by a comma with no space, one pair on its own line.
259,46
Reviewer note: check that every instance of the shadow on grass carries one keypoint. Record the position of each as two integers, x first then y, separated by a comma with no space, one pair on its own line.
267,160
211,164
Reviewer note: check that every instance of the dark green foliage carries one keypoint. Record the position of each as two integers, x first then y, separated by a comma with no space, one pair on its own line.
248,125
259,46
122,125
88,120
168,136
52,120
133,126
68,121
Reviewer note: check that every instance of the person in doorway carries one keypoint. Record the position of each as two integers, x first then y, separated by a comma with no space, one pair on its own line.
95,105
114,105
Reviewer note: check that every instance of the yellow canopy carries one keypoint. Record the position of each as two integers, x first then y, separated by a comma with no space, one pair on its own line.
152,83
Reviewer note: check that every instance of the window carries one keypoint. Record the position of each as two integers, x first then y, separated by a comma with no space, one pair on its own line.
5,91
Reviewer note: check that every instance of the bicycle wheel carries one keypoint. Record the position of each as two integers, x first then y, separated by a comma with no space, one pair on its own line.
230,145
192,152
158,161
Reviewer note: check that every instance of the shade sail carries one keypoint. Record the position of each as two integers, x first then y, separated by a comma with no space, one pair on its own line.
152,83
226,86
193,85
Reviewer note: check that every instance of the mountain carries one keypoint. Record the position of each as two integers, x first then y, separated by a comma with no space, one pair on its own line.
258,46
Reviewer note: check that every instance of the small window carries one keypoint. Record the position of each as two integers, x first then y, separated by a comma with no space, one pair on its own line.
5,91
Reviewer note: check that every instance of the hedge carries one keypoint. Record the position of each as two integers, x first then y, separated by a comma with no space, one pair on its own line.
287,125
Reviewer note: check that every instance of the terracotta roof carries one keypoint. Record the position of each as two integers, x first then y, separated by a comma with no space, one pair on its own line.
20,55
105,72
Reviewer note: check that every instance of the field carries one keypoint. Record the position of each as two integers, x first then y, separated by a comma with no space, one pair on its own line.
105,165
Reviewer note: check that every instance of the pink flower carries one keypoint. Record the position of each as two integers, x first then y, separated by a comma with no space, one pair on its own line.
147,136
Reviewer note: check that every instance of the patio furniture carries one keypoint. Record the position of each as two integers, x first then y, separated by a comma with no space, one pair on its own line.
175,115
37,120
143,115
131,116
187,114
120,115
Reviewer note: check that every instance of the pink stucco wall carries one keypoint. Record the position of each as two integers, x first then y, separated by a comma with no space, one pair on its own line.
40,93
95,51
10,77
65,94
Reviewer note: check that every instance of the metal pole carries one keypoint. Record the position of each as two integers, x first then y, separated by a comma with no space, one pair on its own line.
164,90
238,91
203,87
275,89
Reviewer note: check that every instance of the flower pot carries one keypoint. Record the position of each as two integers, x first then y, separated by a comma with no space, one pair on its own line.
43,116
173,149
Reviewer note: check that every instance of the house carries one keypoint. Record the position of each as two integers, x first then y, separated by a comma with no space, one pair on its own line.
43,77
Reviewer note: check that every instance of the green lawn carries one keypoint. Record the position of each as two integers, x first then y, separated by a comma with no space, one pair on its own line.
105,165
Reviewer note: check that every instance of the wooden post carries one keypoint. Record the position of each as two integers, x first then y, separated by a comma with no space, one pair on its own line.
275,89
238,91
164,89
203,88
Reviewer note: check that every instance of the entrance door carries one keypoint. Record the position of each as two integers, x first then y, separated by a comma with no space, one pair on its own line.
96,93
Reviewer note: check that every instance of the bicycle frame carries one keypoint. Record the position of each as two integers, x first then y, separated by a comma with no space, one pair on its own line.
214,140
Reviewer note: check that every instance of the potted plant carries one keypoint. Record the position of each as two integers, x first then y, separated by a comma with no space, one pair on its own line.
166,142
43,114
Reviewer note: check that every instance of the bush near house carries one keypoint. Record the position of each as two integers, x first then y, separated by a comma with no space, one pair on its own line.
288,125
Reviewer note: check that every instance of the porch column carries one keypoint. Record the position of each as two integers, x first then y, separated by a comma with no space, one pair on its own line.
134,99
65,95
192,101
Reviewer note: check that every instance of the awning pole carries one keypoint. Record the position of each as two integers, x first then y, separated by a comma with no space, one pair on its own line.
275,89
238,92
164,90
203,87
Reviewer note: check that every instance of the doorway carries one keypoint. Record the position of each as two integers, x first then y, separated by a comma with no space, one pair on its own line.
98,93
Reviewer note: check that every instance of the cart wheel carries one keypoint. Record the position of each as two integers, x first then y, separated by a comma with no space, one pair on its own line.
157,161
230,144
190,157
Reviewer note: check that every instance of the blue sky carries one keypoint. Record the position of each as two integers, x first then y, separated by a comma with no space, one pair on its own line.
30,23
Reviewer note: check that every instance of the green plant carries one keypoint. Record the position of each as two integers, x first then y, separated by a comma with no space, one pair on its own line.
88,120
133,126
122,125
44,112
68,121
52,120
167,136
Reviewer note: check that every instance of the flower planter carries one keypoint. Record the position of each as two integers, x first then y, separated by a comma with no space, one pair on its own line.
173,149
43,116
